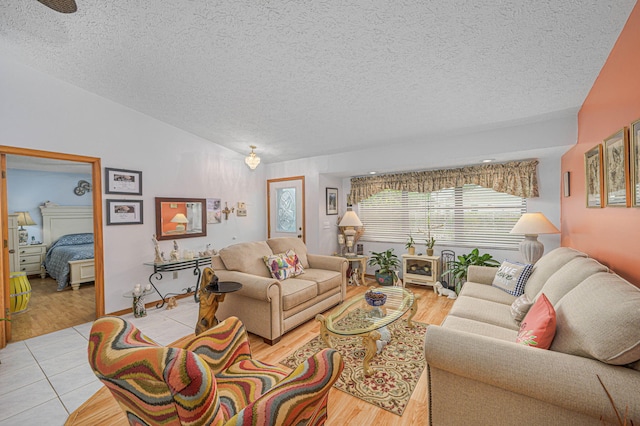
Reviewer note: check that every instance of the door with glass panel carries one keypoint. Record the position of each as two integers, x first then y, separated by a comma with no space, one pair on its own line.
286,207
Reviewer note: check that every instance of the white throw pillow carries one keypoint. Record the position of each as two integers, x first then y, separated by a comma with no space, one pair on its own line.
512,276
520,307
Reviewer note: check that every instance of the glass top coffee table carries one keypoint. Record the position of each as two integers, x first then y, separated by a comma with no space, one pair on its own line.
355,317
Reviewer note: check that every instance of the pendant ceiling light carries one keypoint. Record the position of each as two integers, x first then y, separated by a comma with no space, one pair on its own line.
252,160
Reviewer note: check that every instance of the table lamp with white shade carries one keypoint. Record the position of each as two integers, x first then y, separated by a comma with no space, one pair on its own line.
532,225
349,222
181,221
24,219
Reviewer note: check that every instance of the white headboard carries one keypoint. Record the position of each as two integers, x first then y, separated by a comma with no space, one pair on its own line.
62,220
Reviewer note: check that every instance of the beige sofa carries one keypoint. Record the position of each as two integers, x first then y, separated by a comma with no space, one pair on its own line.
268,307
478,375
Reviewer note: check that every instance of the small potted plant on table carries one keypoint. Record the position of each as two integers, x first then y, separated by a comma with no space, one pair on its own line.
387,263
431,241
410,246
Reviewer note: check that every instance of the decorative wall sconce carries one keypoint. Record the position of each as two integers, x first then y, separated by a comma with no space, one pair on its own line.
226,211
82,188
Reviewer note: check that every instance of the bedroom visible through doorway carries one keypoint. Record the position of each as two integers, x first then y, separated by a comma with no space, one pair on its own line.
49,309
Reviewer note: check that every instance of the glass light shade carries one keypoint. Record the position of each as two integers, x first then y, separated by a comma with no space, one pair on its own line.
252,160
534,224
350,219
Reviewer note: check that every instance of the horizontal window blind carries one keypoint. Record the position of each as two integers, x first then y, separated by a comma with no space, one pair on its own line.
469,216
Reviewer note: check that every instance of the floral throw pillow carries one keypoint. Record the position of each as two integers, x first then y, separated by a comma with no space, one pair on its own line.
512,276
538,328
284,265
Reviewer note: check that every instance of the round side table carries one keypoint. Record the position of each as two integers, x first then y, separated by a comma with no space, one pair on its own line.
211,296
139,310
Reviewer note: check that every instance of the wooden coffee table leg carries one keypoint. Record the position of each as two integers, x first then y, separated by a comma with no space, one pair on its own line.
324,333
369,342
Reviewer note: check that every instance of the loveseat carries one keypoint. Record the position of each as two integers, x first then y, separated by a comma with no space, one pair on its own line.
270,307
478,375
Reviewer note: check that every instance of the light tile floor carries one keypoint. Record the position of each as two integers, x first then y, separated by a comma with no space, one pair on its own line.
45,378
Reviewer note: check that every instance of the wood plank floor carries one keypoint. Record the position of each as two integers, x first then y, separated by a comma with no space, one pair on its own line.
343,408
50,310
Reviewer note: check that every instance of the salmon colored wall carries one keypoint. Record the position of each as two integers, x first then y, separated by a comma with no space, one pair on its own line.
610,234
169,213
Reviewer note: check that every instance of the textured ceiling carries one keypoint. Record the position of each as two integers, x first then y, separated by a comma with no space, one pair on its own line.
304,78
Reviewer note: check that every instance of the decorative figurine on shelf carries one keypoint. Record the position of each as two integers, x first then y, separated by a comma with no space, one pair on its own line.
209,301
172,302
208,252
139,310
175,253
156,245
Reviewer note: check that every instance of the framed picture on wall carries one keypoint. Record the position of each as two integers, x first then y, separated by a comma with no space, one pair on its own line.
616,170
119,181
124,212
332,201
634,159
593,176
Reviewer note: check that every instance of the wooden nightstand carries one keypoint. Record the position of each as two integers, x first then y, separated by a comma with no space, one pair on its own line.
30,258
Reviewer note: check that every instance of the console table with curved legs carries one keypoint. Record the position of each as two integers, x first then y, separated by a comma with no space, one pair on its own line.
174,266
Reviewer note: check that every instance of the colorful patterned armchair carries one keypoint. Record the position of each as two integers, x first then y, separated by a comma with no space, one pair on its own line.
209,380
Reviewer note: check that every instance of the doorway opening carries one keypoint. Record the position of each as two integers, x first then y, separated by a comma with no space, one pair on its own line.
42,159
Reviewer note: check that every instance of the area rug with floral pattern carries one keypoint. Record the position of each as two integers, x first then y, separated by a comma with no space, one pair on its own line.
397,368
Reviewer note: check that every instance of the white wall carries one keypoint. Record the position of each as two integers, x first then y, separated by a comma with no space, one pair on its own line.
28,189
40,112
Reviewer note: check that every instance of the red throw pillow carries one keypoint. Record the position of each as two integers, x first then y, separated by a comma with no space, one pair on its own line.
539,326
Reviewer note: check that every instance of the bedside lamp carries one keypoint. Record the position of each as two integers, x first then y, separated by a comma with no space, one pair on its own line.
531,225
350,221
181,221
24,219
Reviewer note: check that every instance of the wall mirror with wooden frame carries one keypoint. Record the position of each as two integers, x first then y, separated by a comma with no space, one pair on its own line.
180,218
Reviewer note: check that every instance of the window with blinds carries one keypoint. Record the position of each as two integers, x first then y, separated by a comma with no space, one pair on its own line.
470,216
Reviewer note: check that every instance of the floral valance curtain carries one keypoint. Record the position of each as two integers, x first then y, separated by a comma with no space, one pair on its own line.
519,178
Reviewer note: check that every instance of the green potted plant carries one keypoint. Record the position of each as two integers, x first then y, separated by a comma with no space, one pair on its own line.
431,241
387,263
410,245
459,267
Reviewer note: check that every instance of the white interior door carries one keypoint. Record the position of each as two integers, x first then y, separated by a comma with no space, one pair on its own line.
286,207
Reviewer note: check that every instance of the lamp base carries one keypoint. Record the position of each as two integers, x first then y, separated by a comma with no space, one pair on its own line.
23,237
531,249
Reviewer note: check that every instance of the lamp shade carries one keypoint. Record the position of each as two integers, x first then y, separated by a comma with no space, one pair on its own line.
24,219
350,219
534,224
180,218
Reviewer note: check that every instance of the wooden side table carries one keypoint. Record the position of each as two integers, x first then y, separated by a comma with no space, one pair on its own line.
356,277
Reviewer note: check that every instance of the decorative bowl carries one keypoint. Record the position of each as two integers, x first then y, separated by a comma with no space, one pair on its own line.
375,298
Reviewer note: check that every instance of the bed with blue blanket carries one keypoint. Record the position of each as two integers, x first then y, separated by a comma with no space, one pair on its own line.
71,255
